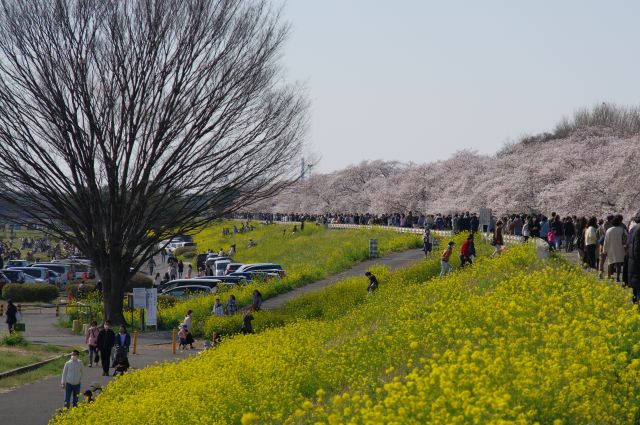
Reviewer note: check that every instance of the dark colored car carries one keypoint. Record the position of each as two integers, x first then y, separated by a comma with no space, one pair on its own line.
14,276
3,281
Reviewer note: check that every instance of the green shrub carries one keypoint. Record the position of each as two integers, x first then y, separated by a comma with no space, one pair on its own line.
139,280
185,251
21,292
72,289
12,339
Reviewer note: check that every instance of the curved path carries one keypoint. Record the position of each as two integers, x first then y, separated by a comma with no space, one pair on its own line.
35,403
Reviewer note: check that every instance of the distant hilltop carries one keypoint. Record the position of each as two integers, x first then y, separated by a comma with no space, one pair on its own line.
589,165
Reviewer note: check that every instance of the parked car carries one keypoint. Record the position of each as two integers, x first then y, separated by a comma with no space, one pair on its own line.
220,267
232,267
271,267
3,281
181,282
62,269
188,290
39,274
14,276
258,275
238,280
17,263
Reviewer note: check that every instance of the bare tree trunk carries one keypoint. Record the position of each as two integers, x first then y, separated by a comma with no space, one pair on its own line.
113,284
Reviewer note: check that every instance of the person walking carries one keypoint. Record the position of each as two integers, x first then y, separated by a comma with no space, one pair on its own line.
123,339
498,240
247,318
218,308
232,307
633,251
427,242
373,282
180,269
189,270
71,378
467,251
591,243
445,267
256,300
187,320
106,342
91,339
12,315
613,248
152,266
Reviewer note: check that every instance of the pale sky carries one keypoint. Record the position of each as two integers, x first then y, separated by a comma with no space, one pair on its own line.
420,80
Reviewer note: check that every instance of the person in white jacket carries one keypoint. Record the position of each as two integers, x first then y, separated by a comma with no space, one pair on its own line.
71,377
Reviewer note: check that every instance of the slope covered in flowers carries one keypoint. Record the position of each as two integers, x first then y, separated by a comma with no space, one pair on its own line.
510,339
307,256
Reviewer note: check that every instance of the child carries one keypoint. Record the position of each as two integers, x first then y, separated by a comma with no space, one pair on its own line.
121,361
185,338
551,238
445,267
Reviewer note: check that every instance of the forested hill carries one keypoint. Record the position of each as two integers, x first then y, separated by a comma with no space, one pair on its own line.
588,165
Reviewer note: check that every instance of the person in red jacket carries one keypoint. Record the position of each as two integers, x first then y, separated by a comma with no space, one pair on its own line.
467,251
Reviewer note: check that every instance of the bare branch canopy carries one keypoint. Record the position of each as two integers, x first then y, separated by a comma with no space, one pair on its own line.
125,122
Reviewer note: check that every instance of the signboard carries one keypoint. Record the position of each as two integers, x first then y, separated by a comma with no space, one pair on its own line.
485,219
139,298
373,248
151,316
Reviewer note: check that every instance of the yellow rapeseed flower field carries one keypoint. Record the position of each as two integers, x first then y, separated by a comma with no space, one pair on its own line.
510,340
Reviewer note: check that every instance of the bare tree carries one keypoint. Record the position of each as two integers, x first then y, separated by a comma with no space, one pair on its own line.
125,122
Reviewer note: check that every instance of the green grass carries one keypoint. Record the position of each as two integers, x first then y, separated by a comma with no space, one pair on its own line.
12,357
50,369
307,256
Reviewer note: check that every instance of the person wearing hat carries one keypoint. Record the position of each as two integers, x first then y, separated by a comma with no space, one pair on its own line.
445,267
467,251
633,250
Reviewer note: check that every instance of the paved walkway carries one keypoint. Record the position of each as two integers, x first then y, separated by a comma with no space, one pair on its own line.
35,403
393,261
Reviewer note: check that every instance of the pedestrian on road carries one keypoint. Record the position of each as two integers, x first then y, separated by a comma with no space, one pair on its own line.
189,271
427,242
633,251
613,249
445,267
373,282
156,280
12,313
91,339
152,266
163,255
174,271
256,300
123,339
180,269
232,307
187,319
71,377
106,342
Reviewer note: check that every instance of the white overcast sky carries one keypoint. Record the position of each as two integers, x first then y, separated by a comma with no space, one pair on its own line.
419,80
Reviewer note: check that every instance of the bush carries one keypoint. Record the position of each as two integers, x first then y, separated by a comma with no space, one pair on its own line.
12,339
139,280
185,251
27,292
72,289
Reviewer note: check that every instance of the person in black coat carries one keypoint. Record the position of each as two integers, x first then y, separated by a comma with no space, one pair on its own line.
11,313
106,341
633,265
